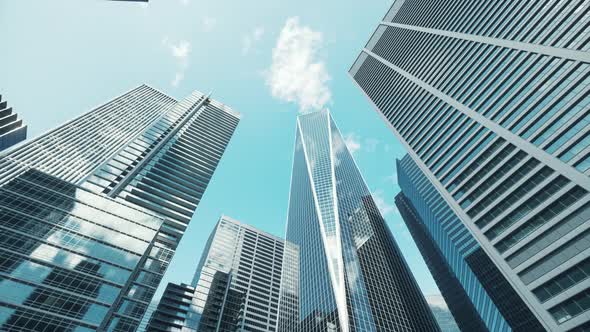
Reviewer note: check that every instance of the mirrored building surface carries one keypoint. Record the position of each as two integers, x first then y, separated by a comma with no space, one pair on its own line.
144,150
67,254
491,100
352,275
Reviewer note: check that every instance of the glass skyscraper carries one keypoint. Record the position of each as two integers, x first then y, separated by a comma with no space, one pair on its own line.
446,244
235,288
491,100
12,129
92,211
351,273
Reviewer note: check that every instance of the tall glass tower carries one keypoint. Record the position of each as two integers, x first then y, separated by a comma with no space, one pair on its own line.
352,275
491,100
92,211
235,288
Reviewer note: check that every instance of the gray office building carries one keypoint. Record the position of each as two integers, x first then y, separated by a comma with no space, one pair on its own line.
235,288
93,210
12,129
351,275
491,100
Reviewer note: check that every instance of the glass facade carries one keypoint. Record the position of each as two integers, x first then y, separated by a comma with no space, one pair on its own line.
142,149
235,288
12,129
491,100
66,254
458,301
75,149
166,170
444,240
352,276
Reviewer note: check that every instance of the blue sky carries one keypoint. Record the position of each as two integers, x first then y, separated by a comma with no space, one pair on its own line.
267,59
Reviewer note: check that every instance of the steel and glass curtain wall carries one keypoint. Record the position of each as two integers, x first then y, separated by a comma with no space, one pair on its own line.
352,275
491,99
235,288
143,151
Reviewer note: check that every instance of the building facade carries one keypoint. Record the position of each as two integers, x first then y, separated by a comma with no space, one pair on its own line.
446,245
118,155
66,252
491,101
352,275
12,129
172,308
147,316
441,312
235,288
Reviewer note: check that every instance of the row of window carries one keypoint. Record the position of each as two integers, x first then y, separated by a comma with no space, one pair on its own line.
543,217
486,169
563,281
567,251
501,188
551,23
571,308
527,206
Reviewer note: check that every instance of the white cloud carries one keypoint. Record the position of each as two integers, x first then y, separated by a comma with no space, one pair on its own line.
184,2
383,205
392,179
177,79
258,32
352,142
371,144
250,39
209,23
355,143
181,52
297,73
436,301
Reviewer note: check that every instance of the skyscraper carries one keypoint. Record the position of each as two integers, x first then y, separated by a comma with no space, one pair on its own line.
66,254
110,194
235,288
446,245
352,275
491,101
12,130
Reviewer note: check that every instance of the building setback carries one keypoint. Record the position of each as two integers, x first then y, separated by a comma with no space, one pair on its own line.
12,129
491,101
115,161
235,288
351,273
